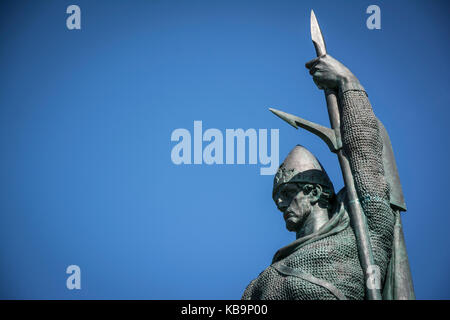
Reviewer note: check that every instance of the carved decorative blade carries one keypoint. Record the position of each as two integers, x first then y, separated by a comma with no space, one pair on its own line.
324,133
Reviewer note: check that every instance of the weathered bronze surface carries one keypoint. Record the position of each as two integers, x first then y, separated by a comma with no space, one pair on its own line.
349,245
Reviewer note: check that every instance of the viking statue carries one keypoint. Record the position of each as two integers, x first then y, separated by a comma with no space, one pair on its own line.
326,261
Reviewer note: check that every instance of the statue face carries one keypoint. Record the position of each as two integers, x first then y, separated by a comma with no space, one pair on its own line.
294,201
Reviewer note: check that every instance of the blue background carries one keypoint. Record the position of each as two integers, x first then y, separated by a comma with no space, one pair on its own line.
86,116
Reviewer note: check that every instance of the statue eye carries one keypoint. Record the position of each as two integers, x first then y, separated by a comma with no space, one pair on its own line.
289,193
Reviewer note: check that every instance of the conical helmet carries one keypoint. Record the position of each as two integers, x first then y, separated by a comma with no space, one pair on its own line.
303,167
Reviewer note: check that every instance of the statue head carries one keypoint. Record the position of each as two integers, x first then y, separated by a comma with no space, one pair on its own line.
301,184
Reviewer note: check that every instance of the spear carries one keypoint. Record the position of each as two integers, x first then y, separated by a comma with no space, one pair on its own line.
332,138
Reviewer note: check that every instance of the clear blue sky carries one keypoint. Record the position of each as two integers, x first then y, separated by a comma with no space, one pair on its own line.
86,116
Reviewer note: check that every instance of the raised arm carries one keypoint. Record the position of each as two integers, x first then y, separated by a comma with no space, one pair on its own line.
362,145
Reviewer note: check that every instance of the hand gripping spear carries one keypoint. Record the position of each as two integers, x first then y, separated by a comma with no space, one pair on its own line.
332,138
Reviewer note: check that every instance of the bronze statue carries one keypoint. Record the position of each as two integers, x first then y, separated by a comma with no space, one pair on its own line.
349,245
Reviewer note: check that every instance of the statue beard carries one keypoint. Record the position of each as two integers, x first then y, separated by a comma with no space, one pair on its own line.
297,213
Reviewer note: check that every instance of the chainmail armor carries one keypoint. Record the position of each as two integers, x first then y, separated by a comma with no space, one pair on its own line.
335,258
363,146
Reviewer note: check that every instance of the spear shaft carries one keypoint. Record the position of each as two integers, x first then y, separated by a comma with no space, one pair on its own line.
356,214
